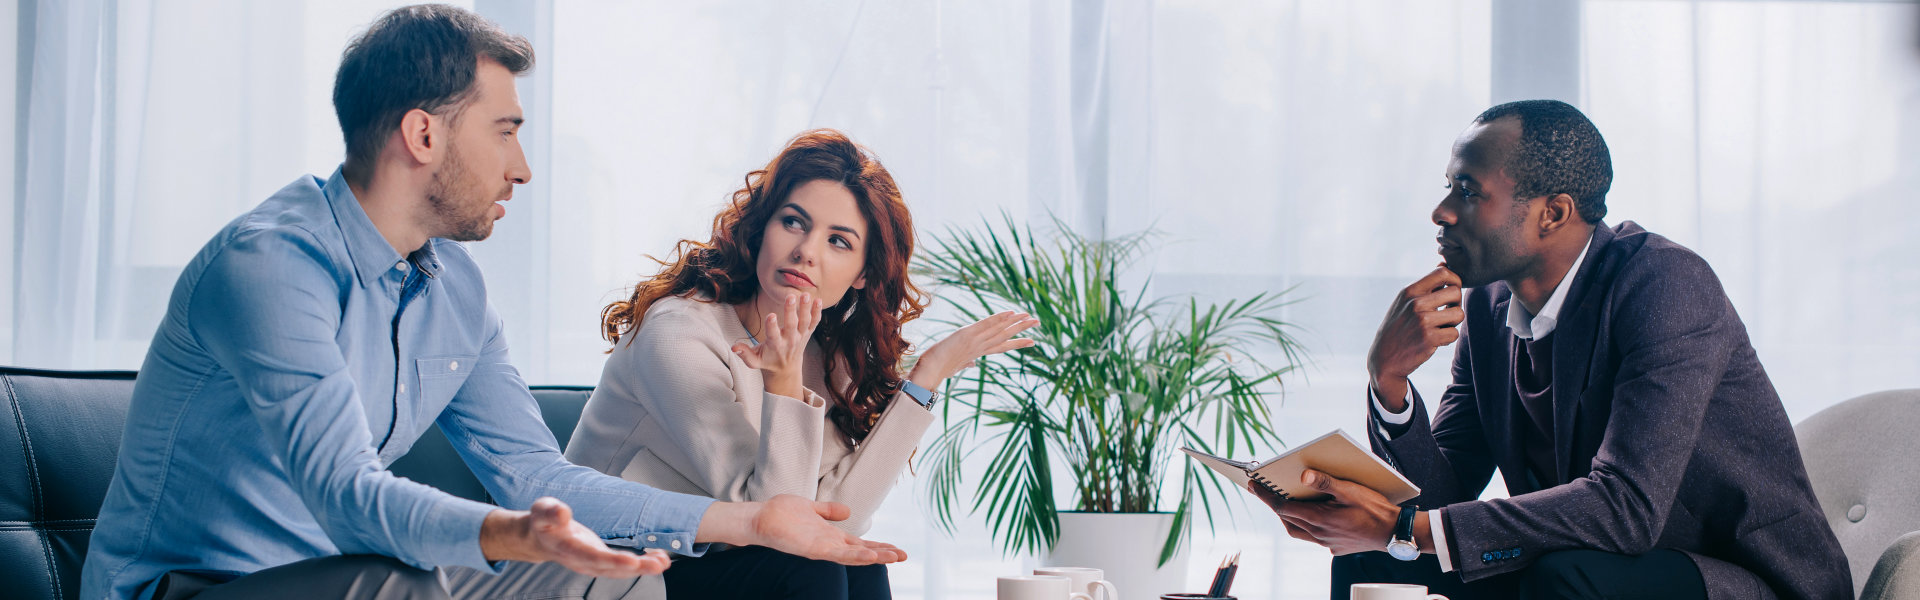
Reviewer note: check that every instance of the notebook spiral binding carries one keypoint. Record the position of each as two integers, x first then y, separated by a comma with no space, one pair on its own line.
1262,480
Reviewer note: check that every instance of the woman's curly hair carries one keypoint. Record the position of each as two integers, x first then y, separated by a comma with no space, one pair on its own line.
861,332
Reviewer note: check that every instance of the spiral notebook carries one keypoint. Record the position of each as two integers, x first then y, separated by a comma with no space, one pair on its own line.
1335,453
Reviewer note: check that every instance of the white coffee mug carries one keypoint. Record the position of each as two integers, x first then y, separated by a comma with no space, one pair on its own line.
1085,579
1392,591
1038,587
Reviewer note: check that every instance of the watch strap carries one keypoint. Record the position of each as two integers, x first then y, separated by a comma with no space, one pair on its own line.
919,394
1403,528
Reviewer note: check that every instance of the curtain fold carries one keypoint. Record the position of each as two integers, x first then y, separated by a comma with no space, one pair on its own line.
59,226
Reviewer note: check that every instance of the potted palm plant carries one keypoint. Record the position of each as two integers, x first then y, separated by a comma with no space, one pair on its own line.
1115,384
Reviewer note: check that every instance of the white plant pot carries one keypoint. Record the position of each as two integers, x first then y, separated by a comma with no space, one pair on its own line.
1126,546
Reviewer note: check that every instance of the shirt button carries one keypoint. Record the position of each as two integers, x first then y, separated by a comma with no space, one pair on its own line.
652,539
453,366
403,388
675,544
402,266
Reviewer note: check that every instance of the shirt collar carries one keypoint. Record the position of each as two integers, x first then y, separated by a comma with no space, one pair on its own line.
1527,326
369,251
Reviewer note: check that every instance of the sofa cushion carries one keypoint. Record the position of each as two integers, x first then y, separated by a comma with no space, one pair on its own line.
432,460
61,436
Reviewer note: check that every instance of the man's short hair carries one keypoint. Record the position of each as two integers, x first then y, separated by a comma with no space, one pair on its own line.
423,57
1559,152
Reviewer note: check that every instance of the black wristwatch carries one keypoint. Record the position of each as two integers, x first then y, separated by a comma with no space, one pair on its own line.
1402,545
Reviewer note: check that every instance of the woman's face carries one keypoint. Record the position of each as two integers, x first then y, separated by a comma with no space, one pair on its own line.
815,245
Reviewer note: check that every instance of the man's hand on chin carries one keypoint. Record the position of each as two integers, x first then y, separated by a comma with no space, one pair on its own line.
1355,519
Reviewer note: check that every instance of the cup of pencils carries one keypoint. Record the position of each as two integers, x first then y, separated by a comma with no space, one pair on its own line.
1222,582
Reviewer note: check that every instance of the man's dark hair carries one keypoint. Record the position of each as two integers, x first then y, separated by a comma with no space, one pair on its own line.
1559,152
422,56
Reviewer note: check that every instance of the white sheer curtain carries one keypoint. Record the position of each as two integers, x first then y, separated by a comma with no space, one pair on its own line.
146,127
1276,144
1781,141
58,151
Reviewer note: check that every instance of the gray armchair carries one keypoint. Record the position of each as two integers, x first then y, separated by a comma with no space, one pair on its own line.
1860,456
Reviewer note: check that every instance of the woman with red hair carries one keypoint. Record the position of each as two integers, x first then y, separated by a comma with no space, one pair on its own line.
766,361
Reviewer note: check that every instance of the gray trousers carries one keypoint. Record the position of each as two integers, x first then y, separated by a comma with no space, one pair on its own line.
364,577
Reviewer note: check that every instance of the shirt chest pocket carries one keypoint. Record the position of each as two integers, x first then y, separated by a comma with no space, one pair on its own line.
442,376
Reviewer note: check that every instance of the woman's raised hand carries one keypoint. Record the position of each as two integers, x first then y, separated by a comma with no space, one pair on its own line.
783,345
992,335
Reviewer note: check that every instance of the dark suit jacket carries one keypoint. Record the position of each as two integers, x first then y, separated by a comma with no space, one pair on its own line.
1666,431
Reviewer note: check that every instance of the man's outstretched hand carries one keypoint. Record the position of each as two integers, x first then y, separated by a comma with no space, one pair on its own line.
548,533
796,526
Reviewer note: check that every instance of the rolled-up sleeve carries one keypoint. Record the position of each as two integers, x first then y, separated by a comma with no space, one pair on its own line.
262,309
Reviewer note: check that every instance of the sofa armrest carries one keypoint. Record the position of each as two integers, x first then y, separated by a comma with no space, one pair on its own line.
1897,574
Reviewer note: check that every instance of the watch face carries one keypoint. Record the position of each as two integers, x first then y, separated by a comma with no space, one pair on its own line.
1403,550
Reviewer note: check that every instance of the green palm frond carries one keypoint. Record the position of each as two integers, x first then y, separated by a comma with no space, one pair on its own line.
1115,382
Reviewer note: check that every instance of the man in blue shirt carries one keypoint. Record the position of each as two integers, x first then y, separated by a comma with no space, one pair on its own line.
314,339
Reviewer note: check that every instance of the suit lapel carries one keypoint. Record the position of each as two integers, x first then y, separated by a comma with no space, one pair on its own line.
1573,341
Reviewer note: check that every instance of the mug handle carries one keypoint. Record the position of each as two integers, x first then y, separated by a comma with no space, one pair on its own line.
1436,597
1078,596
1109,592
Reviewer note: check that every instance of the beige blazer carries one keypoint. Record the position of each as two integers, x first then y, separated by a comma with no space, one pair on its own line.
677,410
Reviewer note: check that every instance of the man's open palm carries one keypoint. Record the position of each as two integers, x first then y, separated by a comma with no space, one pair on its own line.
556,537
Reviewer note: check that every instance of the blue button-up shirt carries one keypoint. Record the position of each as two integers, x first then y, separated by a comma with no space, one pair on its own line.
300,355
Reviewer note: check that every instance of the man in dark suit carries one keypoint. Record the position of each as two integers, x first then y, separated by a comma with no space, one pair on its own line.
1604,372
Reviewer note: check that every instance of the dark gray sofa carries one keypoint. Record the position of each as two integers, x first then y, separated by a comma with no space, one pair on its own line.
61,433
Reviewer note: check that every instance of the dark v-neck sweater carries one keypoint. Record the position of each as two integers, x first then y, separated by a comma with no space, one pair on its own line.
1533,378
